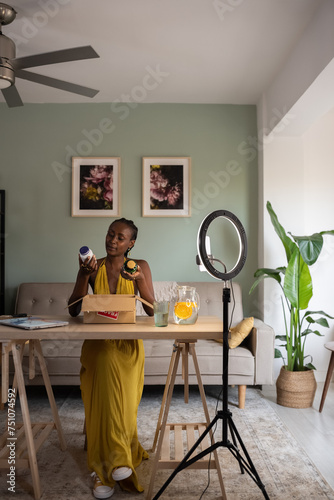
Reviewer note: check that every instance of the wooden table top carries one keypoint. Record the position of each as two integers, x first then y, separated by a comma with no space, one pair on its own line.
206,327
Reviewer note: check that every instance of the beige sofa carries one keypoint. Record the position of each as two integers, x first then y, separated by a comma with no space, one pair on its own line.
249,364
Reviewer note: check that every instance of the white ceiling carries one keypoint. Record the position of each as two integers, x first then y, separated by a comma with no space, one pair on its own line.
207,51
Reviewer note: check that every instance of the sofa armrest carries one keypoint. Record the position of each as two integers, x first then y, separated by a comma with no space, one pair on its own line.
261,342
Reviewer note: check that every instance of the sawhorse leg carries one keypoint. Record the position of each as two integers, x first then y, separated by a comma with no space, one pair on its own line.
18,384
48,387
26,419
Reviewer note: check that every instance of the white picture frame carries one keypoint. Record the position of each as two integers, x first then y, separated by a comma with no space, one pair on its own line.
166,186
96,185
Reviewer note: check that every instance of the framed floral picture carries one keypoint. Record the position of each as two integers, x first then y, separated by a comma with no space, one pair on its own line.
96,187
166,187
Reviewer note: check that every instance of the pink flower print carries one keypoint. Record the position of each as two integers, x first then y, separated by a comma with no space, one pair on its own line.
98,174
108,196
158,185
173,194
108,188
96,188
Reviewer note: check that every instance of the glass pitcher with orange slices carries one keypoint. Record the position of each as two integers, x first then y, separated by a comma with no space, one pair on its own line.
186,306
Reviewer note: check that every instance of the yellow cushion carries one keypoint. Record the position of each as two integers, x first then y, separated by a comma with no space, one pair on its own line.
239,332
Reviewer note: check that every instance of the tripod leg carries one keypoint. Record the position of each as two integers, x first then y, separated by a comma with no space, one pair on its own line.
242,470
250,468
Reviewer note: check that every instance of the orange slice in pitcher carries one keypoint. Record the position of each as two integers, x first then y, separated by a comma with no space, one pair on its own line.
182,310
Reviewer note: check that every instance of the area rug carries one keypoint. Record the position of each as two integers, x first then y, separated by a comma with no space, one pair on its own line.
282,465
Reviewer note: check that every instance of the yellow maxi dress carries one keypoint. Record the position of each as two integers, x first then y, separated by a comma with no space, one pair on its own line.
112,380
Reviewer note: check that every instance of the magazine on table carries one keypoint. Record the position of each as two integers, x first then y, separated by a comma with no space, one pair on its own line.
32,322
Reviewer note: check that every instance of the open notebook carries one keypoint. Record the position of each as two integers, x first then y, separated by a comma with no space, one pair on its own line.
32,323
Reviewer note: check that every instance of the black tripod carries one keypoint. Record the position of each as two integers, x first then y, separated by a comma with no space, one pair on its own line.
225,415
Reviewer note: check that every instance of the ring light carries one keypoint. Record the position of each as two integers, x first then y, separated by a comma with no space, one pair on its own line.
207,259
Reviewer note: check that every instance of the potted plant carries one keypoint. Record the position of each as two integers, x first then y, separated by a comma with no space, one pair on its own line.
296,283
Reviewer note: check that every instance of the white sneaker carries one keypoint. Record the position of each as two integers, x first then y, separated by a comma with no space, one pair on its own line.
100,490
121,473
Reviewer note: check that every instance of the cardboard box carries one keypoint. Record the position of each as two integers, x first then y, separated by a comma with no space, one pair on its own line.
115,308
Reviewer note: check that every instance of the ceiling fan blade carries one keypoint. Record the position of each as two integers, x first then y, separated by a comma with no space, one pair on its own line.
58,84
12,97
58,56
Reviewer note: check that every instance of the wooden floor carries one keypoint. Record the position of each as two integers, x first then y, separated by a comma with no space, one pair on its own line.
313,430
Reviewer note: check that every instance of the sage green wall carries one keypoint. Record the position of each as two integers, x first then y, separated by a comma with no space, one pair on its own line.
37,142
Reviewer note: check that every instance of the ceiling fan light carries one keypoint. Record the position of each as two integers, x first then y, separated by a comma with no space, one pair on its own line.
7,77
4,84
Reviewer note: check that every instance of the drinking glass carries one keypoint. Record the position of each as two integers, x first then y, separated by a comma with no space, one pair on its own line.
161,311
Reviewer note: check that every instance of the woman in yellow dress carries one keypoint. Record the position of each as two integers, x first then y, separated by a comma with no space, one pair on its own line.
112,371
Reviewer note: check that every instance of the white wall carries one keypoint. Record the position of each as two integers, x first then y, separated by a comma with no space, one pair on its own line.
296,174
298,180
318,148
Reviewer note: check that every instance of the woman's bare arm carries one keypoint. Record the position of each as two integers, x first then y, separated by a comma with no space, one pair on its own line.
86,274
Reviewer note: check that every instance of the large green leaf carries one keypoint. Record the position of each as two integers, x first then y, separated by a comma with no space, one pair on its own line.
263,273
330,232
319,321
270,273
308,331
288,243
298,282
322,313
282,338
310,247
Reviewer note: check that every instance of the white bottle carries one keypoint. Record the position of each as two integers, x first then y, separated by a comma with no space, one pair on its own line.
85,252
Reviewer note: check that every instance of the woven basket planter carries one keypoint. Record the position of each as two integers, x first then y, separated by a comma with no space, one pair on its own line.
296,389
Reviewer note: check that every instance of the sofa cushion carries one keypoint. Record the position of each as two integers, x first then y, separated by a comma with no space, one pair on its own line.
43,298
240,332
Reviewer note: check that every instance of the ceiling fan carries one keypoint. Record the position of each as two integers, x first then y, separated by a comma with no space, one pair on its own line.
12,67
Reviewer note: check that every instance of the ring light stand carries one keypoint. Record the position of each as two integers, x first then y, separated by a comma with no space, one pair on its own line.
225,414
